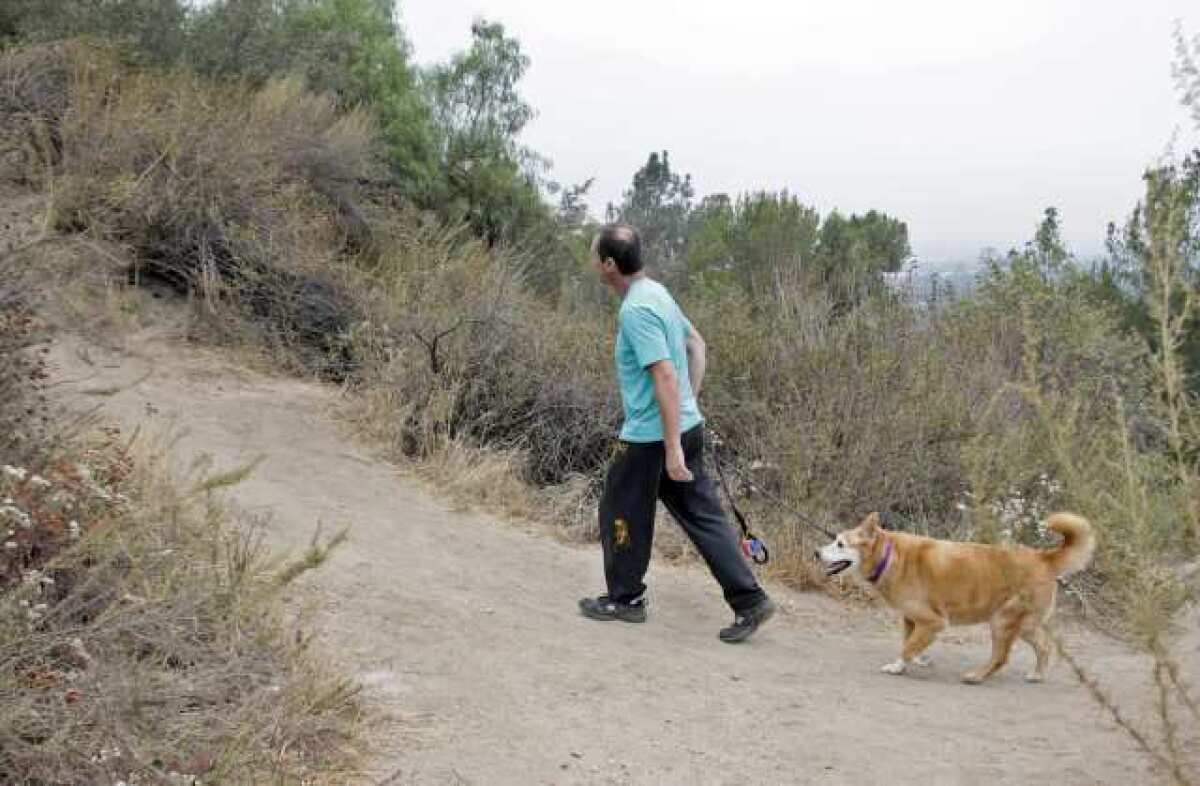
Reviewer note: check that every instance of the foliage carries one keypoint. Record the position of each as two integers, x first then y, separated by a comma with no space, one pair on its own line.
353,49
155,28
144,637
659,203
224,193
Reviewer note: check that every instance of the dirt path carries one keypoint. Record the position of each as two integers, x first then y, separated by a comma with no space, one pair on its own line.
464,629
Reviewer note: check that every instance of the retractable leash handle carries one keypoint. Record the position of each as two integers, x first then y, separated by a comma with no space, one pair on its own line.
756,550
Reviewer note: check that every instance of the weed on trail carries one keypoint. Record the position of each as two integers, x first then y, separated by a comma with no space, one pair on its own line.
143,636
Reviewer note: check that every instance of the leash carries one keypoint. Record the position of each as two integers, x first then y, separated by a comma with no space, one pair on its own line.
752,545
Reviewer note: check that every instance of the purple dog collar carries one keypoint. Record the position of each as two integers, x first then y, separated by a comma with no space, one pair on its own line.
882,565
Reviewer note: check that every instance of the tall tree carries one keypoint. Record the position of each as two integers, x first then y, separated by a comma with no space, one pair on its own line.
1186,69
1157,250
774,240
490,179
659,204
853,253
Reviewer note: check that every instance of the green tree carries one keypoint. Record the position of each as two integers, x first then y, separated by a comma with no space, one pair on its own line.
243,38
489,179
157,29
354,49
853,253
774,239
709,250
1186,69
1157,251
659,204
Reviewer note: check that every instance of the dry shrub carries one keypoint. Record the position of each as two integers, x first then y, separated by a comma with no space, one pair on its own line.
142,635
243,198
24,412
34,98
463,351
846,413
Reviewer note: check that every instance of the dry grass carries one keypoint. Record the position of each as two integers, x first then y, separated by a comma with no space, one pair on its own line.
143,635
242,199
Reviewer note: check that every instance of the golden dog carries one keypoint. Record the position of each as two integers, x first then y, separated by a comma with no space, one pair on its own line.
935,583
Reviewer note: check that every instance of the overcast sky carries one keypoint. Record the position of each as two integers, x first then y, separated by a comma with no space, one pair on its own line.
963,118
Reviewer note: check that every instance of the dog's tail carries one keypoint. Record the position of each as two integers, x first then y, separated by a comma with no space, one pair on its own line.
1077,547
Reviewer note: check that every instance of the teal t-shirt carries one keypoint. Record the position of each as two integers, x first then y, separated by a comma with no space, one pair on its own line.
651,327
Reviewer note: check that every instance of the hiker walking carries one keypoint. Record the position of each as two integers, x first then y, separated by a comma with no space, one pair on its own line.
660,453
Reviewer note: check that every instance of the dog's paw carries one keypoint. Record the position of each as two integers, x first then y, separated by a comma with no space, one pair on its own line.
1034,676
973,677
895,667
923,661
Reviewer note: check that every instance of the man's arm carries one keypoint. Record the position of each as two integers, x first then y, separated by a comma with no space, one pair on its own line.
666,392
696,359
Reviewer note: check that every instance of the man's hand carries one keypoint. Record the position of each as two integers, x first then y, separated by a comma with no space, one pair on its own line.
676,465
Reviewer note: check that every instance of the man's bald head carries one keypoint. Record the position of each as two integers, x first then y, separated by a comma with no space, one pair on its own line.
621,244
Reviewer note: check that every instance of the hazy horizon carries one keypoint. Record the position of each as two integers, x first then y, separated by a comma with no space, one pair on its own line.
964,122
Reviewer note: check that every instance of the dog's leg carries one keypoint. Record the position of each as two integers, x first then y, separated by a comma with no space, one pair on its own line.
919,636
922,660
1004,632
1035,633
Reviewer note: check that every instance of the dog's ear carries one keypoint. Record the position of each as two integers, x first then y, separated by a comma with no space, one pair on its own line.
871,524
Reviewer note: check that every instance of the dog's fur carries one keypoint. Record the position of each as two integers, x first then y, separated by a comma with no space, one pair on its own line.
935,583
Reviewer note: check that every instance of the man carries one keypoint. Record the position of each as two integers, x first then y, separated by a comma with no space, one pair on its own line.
660,455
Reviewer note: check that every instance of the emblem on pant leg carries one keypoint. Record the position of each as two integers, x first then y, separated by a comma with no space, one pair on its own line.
620,534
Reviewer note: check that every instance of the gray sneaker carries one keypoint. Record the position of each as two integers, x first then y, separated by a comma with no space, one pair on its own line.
746,622
605,608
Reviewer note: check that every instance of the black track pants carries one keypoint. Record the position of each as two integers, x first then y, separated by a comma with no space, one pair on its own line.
636,479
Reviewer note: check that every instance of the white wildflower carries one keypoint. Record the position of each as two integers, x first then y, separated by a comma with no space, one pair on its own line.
14,472
10,544
19,515
39,481
40,608
960,506
31,576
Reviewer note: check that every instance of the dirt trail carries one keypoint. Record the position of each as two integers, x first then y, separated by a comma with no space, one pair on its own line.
464,629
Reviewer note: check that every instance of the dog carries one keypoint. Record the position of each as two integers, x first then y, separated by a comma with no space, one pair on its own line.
935,583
